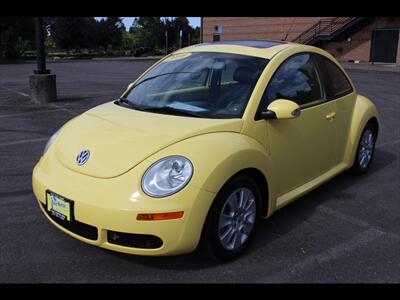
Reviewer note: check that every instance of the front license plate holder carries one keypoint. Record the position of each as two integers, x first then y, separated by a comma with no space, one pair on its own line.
59,207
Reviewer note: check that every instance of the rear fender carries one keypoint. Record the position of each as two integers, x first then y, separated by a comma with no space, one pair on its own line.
364,110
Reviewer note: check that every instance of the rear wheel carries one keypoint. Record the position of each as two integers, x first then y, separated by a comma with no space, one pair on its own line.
365,150
231,219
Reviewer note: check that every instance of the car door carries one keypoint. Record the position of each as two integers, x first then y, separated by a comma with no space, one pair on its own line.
300,148
342,95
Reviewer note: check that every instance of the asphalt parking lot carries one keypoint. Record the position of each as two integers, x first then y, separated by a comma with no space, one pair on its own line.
346,231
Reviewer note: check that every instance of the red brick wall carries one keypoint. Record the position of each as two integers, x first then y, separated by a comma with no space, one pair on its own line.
359,46
274,28
279,28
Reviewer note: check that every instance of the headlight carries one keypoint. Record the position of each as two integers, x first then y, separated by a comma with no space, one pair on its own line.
51,141
167,176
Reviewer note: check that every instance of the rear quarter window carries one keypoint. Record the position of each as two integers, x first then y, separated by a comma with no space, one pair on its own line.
336,83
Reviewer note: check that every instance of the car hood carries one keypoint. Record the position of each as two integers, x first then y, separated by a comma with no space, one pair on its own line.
119,138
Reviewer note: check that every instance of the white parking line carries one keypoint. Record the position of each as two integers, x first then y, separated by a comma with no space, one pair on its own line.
23,142
64,109
51,104
345,217
19,93
388,143
355,221
325,257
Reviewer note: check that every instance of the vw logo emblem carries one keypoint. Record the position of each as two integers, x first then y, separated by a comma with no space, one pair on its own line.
82,157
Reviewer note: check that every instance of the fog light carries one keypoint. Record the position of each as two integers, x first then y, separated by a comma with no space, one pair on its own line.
114,236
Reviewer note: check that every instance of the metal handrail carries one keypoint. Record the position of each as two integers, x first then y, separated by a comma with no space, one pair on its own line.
325,27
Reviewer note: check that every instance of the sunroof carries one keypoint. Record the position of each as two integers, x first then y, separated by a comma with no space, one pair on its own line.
255,44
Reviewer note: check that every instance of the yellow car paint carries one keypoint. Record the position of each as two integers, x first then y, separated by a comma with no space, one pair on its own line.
284,109
107,190
98,130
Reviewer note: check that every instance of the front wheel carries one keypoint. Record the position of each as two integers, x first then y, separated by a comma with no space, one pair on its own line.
231,219
365,150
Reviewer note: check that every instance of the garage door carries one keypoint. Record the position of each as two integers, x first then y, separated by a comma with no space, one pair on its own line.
384,45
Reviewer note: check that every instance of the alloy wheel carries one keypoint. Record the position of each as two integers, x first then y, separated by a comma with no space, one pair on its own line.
366,148
237,218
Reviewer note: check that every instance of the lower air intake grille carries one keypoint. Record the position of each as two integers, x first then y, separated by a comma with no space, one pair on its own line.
143,241
82,229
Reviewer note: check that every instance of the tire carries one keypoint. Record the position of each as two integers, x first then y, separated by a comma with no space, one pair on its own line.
239,228
360,165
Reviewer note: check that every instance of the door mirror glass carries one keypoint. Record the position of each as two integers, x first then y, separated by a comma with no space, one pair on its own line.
282,109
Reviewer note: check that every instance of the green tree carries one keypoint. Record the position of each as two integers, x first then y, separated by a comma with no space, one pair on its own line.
181,24
86,32
17,35
49,44
195,36
73,32
174,26
129,41
109,32
148,31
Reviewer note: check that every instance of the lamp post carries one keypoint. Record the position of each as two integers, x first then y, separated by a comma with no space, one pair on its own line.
42,84
40,54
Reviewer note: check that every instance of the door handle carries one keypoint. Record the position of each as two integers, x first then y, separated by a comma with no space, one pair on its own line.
330,116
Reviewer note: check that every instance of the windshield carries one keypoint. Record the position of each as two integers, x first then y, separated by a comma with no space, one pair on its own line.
201,84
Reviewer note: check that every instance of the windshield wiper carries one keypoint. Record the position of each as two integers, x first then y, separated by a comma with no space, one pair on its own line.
155,76
162,109
172,110
125,102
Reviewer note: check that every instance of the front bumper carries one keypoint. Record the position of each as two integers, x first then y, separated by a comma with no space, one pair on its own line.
111,205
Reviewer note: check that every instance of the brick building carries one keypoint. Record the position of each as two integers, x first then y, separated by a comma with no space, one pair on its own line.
364,39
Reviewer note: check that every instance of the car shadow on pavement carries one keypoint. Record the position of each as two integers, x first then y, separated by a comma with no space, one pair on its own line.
280,223
298,212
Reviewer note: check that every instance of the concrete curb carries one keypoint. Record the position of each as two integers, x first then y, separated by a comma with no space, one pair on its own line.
126,58
84,59
363,67
371,68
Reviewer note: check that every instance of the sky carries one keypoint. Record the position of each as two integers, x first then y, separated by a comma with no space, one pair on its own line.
193,21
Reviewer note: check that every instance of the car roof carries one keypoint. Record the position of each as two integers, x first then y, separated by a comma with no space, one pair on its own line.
247,43
259,48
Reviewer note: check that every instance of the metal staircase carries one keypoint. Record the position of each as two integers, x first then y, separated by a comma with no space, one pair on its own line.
327,29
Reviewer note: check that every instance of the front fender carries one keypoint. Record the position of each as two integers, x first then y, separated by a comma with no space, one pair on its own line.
216,157
364,110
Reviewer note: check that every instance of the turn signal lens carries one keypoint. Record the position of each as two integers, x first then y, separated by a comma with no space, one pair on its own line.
160,216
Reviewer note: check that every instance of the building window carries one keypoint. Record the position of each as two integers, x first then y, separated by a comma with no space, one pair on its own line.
216,37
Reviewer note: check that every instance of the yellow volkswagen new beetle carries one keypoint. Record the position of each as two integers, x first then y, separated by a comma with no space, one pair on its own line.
205,142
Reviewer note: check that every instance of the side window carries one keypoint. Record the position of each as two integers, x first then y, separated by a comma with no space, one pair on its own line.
336,83
296,79
227,73
198,79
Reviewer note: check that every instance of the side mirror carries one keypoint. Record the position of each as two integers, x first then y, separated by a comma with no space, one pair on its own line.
282,109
